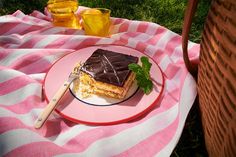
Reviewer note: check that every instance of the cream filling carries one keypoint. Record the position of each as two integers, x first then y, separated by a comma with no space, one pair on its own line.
85,86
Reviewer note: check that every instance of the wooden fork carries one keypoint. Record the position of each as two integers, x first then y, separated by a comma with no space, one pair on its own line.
59,94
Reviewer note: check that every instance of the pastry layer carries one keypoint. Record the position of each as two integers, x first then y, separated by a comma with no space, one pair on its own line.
86,85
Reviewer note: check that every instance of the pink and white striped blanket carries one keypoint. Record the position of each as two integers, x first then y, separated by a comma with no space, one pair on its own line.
29,45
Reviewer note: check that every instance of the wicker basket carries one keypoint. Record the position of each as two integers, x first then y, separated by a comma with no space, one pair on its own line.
216,75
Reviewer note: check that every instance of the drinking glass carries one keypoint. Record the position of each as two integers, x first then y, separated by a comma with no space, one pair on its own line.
63,13
96,21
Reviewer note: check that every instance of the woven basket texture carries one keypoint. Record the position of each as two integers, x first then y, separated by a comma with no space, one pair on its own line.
217,79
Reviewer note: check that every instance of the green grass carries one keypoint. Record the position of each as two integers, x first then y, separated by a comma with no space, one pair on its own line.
168,13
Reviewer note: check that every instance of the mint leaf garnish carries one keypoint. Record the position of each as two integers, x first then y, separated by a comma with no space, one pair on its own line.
143,74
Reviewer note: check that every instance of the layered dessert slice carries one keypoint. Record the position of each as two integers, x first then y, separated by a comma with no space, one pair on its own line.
105,73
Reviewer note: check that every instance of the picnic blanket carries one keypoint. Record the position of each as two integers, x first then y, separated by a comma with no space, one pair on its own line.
29,45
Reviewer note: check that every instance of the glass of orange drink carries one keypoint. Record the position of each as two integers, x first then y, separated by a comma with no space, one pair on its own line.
96,21
63,13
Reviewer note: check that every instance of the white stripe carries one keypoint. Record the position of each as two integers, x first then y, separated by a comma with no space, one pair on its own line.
115,29
178,53
8,18
24,39
18,28
74,39
152,27
52,30
142,37
161,44
12,57
47,40
27,118
38,76
165,39
21,94
51,59
165,61
8,74
66,136
15,138
186,100
172,84
117,36
105,41
133,25
128,138
132,42
177,76
79,32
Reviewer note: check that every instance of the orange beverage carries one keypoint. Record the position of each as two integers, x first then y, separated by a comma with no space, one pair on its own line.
96,21
63,13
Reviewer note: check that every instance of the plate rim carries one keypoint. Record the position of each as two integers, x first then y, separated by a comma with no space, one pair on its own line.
134,117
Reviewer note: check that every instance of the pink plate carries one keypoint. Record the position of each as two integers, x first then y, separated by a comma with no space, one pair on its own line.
79,111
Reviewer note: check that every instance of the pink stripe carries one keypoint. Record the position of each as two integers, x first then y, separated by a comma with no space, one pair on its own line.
14,84
38,149
131,34
124,27
172,44
194,53
152,145
58,42
159,33
124,38
141,46
40,16
172,70
26,105
118,21
118,42
35,63
175,93
10,123
159,55
72,43
142,27
26,18
32,41
167,102
30,29
41,66
86,42
5,52
169,48
18,28
35,55
51,127
28,59
41,31
6,27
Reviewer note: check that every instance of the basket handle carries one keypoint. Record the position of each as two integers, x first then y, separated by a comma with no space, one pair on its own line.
188,18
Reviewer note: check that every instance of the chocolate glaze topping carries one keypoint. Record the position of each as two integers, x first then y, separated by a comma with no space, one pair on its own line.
108,66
